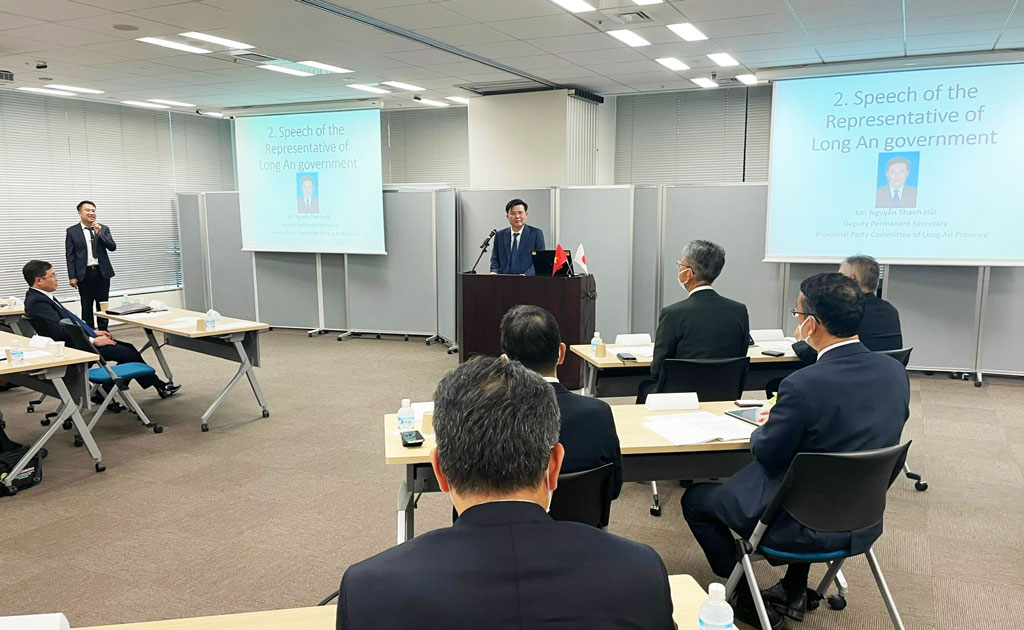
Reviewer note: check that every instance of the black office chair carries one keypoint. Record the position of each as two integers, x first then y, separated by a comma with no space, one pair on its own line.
37,326
826,492
116,378
903,356
584,496
711,379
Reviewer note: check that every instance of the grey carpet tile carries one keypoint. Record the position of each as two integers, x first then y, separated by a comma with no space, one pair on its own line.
267,513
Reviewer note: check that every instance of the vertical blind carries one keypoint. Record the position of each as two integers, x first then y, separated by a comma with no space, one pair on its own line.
707,136
425,146
55,152
582,131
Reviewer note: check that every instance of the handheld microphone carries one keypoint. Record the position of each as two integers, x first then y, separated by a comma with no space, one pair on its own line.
487,241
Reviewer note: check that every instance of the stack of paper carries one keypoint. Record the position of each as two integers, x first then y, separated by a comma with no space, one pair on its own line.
698,428
636,351
773,339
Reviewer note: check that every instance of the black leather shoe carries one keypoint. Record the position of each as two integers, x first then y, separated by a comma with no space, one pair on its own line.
743,610
166,390
791,606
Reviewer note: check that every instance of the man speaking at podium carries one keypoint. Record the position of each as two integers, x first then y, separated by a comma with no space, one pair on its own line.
514,246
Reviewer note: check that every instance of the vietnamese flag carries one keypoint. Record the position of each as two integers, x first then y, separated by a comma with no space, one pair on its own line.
560,259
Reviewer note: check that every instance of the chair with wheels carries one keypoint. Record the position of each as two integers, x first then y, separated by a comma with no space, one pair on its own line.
710,379
585,496
825,492
903,356
113,380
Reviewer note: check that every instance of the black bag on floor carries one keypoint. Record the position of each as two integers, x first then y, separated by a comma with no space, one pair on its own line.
10,454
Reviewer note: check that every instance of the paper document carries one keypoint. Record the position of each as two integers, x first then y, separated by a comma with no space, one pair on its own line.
36,354
422,407
231,326
699,427
767,334
151,315
636,351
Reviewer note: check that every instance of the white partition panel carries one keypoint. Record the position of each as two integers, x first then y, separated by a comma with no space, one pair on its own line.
1002,333
646,258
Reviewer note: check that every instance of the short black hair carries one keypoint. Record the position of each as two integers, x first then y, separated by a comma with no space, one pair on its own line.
82,203
530,335
514,203
305,179
496,422
835,301
897,160
865,271
706,259
35,269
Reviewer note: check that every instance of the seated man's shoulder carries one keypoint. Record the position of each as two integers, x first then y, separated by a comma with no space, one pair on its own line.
584,402
602,546
396,560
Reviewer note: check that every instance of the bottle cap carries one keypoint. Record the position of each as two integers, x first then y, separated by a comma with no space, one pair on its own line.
406,402
716,592
597,334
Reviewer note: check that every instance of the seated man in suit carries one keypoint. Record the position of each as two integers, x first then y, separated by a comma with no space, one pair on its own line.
530,335
505,564
852,399
705,325
514,245
41,304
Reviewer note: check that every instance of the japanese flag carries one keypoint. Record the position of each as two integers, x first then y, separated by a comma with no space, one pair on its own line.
580,260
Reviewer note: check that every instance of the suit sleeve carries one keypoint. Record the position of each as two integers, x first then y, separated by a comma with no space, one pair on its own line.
69,255
805,352
50,319
341,620
616,452
107,239
665,342
775,443
494,253
538,245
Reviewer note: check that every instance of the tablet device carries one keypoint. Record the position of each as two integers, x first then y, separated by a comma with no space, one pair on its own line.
747,414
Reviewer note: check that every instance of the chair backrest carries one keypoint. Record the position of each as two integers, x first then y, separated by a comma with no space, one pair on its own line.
633,339
76,337
902,355
838,492
585,496
711,379
36,324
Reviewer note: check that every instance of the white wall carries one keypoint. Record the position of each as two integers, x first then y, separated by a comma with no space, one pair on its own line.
518,140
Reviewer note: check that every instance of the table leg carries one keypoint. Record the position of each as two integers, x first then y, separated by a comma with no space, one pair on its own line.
591,380
406,513
244,369
153,343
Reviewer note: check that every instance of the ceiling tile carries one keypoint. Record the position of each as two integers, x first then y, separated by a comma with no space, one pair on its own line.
1011,36
461,68
629,78
464,34
684,50
130,49
502,10
420,16
514,48
945,40
63,36
548,26
699,10
955,24
429,57
625,68
129,5
682,84
371,5
192,16
410,73
82,56
197,78
10,45
856,32
199,62
94,73
49,10
619,55
761,42
797,54
933,8
380,44
738,27
565,74
536,62
141,67
864,49
105,24
815,14
139,82
9,21
575,43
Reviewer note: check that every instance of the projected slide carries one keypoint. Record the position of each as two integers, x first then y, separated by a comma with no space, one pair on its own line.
311,182
918,166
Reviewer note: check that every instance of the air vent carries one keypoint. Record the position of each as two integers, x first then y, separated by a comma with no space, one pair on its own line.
629,17
254,57
6,76
504,87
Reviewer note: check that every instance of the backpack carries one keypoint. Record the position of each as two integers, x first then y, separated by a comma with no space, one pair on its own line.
10,454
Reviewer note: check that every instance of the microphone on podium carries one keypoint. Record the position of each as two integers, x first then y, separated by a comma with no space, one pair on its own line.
483,250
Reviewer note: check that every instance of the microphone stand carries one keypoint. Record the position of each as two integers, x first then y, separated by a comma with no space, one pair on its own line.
483,250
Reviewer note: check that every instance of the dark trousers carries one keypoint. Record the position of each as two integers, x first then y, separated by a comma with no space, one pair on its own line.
717,540
646,387
122,352
93,289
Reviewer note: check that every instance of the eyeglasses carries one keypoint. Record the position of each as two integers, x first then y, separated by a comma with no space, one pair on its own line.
796,313
680,266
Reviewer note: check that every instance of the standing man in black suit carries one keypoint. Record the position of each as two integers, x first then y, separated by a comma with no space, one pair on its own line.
530,335
705,325
89,270
505,564
852,399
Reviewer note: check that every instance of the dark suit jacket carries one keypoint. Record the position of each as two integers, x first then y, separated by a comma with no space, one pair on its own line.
879,330
48,313
883,198
532,239
851,400
507,565
703,326
77,252
314,203
588,434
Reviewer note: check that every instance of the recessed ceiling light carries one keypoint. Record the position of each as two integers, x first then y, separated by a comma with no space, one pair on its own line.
427,101
166,43
368,88
575,6
404,86
213,39
145,104
646,2
687,31
324,66
748,79
213,114
629,37
285,70
172,103
458,99
723,59
704,82
71,88
47,91
672,63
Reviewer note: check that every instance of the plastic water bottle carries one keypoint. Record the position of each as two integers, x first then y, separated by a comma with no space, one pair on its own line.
211,322
715,612
124,299
17,354
594,342
406,416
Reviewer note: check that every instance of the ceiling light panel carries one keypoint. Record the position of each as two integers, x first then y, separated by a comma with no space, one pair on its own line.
324,66
629,37
47,91
687,31
285,70
748,79
458,99
427,101
672,63
220,41
171,103
145,104
704,82
368,88
575,6
644,3
166,43
404,86
723,59
71,88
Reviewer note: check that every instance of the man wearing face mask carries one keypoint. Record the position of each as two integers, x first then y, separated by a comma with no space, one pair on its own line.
705,325
852,399
505,563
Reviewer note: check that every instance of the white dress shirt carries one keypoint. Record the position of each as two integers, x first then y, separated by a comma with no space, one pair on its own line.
822,352
702,287
91,258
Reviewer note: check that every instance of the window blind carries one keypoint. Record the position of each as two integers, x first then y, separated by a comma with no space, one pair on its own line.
688,137
425,146
129,161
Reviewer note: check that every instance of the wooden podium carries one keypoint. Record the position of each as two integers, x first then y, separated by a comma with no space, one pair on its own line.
484,299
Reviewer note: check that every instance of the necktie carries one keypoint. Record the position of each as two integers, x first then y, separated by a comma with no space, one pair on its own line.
92,240
895,199
307,204
515,246
68,314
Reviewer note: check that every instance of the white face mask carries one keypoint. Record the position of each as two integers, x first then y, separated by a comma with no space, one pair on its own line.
682,285
800,331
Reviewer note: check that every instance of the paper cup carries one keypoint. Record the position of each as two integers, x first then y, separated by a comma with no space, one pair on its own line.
201,324
428,423
56,349
601,352
104,306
